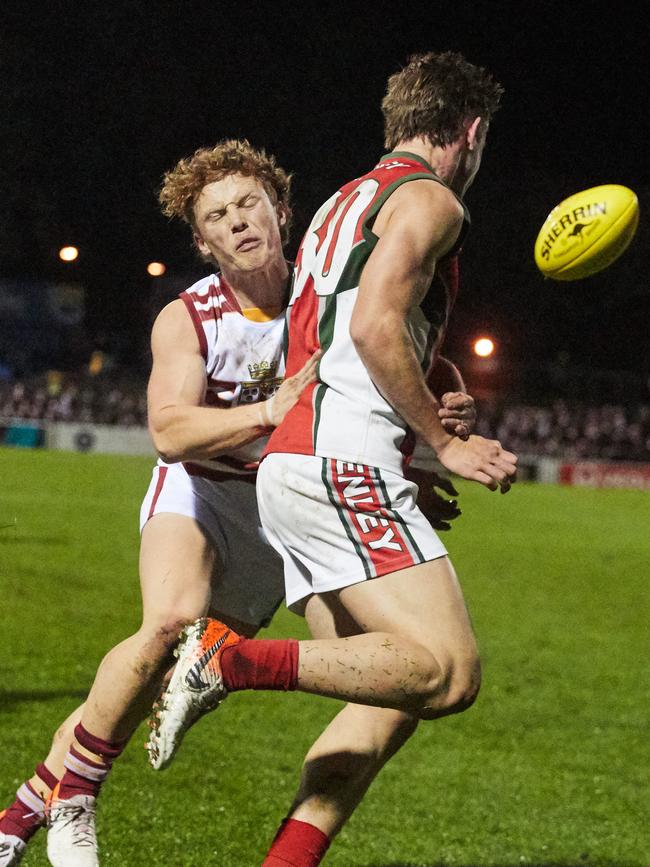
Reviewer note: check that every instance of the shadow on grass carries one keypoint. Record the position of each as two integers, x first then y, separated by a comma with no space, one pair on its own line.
23,697
581,862
11,538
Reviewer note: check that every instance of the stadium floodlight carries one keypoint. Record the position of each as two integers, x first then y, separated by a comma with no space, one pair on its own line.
156,269
68,254
484,347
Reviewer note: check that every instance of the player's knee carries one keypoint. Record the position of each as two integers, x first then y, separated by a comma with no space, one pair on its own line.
458,694
466,691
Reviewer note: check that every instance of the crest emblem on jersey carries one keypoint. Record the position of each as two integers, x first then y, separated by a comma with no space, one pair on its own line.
263,382
262,369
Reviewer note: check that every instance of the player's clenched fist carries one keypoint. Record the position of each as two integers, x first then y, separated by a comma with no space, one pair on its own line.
480,460
457,413
273,411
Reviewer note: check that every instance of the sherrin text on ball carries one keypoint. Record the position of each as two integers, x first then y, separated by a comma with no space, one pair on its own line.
587,232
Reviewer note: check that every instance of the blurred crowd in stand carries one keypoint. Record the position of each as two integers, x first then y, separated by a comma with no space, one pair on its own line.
96,400
569,430
562,429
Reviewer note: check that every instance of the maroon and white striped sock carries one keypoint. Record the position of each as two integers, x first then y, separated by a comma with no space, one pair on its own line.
46,775
27,813
25,816
83,775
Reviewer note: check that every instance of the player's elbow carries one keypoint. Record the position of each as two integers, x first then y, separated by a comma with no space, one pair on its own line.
166,451
357,332
169,456
369,335
164,444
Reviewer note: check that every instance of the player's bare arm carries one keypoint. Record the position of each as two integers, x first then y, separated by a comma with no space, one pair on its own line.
421,226
418,225
181,427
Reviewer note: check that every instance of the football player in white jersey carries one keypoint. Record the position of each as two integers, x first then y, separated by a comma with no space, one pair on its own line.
380,595
215,391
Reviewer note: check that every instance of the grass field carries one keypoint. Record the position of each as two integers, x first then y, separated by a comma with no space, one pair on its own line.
550,766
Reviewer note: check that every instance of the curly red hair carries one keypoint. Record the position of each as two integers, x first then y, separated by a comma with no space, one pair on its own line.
183,184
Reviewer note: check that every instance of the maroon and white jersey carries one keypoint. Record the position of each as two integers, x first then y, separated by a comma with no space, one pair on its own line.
244,363
343,415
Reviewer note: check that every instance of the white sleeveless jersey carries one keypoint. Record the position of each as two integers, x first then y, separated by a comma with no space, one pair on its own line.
343,415
244,363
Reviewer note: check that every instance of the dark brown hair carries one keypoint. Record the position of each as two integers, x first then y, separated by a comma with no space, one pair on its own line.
434,96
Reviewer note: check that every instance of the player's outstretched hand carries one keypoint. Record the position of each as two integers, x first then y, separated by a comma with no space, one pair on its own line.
480,460
457,413
286,396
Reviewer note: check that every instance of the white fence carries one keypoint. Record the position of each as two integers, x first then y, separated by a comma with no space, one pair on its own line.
76,437
102,438
113,439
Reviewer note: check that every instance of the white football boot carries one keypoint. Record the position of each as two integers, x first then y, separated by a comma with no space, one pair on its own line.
71,834
196,687
11,849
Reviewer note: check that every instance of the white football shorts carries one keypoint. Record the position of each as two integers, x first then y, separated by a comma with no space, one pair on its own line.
336,523
250,586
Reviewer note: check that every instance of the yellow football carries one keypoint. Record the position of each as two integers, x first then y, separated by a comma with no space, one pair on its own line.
587,232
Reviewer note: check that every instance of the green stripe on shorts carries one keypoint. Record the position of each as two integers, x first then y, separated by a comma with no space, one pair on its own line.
341,513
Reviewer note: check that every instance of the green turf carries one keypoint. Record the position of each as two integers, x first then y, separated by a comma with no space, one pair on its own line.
548,768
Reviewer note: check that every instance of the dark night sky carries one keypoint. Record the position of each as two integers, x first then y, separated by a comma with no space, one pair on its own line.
99,100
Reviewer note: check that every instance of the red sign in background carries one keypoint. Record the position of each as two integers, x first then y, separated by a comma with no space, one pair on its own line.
592,474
